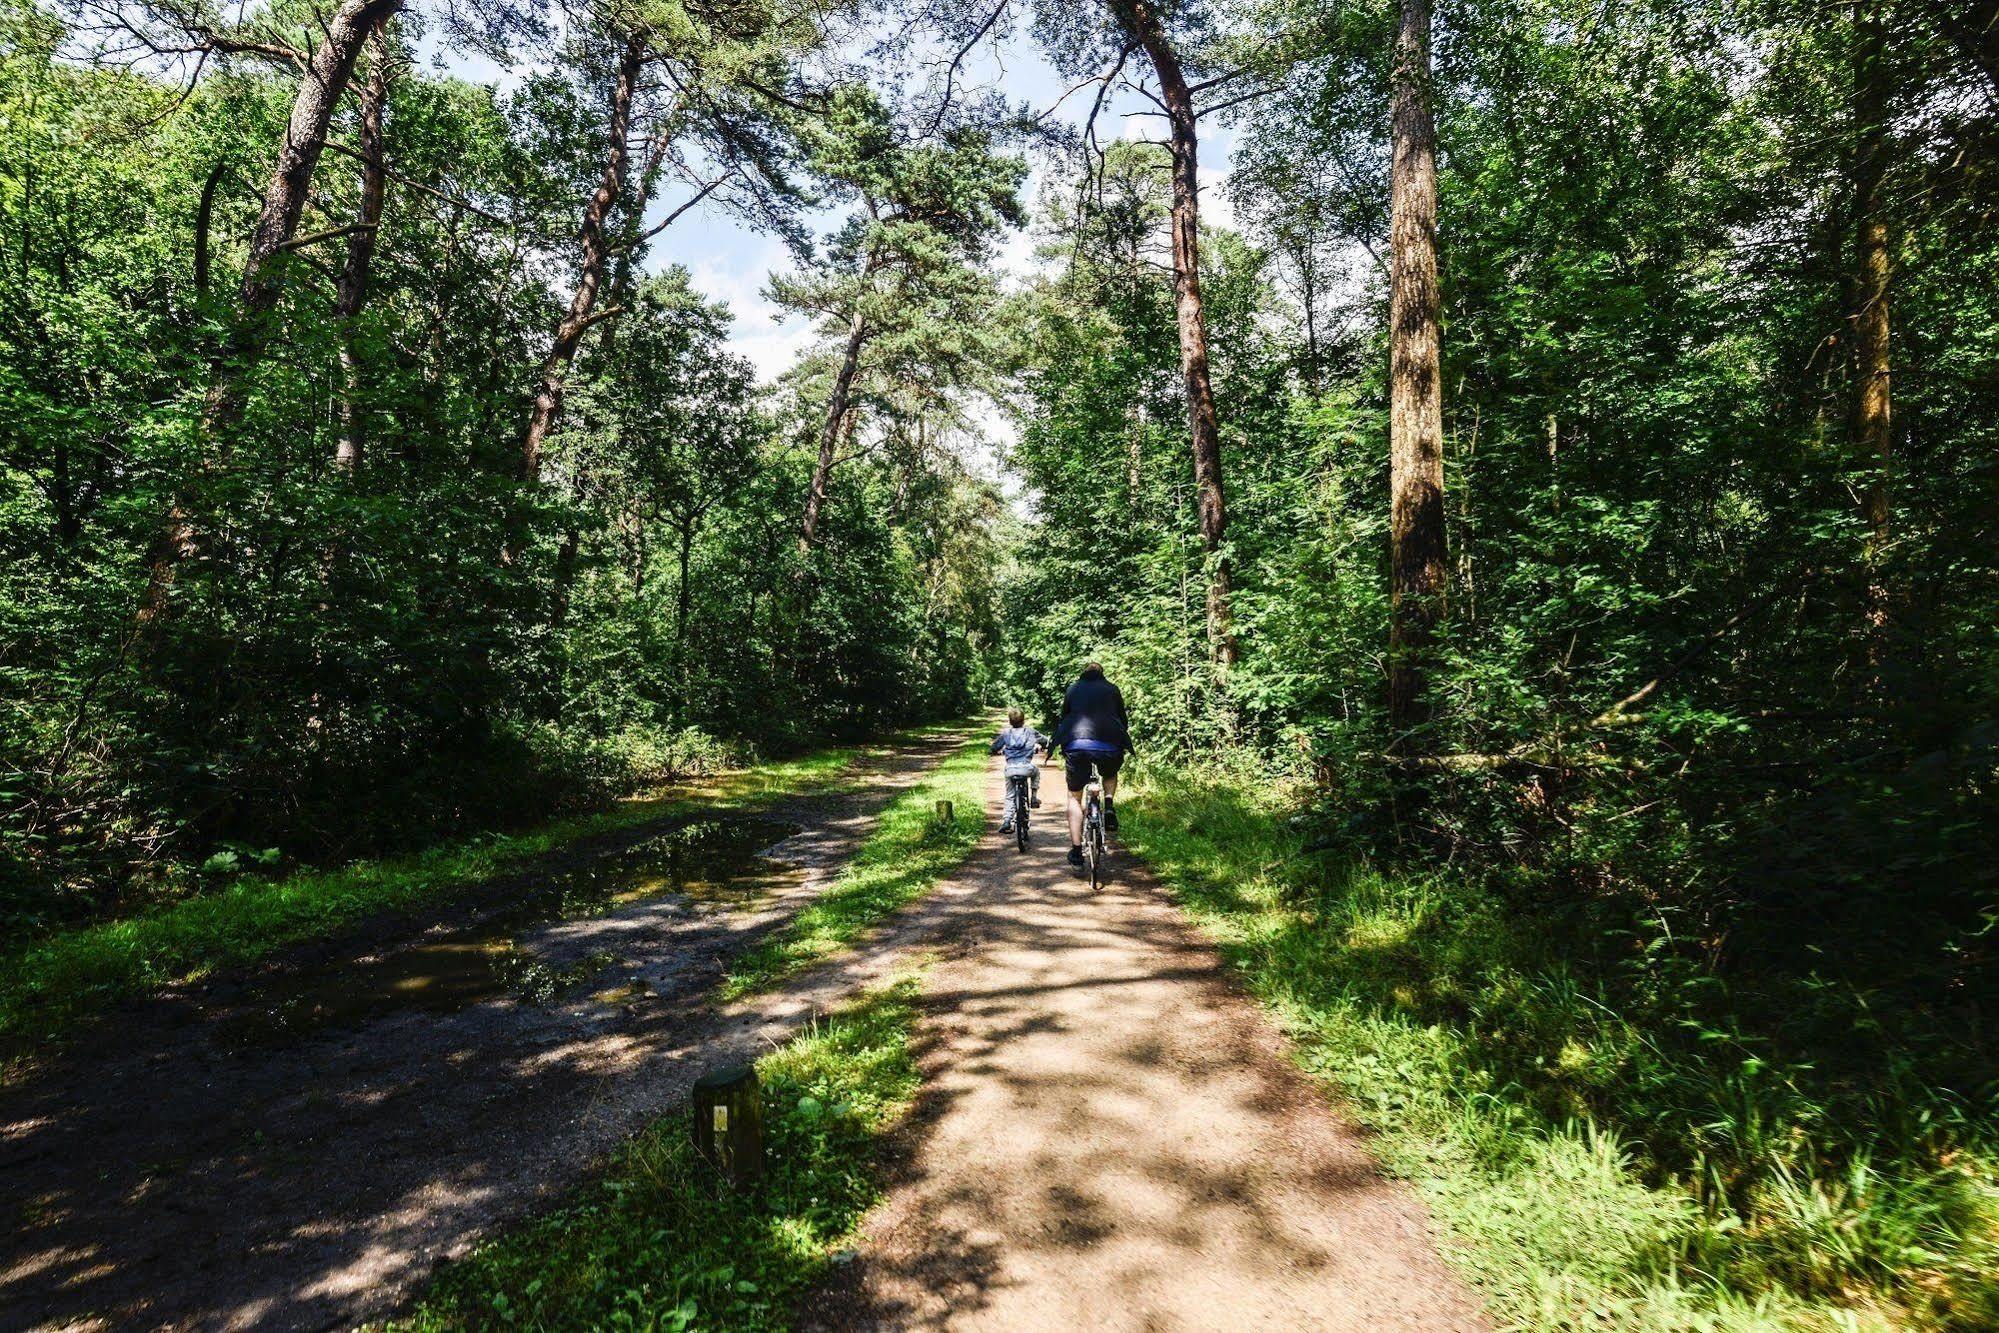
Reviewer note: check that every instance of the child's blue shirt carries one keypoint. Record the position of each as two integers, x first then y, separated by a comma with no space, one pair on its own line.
1018,744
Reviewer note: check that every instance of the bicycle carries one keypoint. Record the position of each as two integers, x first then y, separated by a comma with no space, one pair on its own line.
1016,800
1096,851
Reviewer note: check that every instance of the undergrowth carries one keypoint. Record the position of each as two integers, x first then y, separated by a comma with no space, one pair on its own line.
1609,1138
905,855
50,985
658,1242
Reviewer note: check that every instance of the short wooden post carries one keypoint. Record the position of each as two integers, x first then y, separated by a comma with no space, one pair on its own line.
944,812
728,1124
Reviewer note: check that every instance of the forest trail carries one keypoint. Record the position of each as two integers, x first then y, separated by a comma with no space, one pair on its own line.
1111,1135
187,1167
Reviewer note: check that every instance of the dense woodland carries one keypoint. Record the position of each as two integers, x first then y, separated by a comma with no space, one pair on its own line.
1574,475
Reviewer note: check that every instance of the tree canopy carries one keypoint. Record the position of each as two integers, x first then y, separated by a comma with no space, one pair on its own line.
1556,447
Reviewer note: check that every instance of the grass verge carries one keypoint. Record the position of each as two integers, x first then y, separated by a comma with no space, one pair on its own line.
1596,1157
658,1243
909,850
57,982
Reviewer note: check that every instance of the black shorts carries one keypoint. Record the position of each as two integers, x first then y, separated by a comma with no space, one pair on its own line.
1076,766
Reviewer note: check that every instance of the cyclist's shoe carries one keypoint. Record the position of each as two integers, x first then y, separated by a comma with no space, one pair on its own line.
1076,857
1036,803
1006,827
1110,817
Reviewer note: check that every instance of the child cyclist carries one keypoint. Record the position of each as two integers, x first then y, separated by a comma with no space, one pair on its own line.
1019,743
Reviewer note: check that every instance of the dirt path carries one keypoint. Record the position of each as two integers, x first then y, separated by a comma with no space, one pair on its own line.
170,1173
1112,1137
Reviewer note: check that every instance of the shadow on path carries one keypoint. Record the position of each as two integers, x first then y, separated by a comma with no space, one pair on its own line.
1112,1135
168,1174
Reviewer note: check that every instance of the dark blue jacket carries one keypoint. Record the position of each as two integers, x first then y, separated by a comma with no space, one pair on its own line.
1093,710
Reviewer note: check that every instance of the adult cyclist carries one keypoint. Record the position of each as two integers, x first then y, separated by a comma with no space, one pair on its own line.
1094,731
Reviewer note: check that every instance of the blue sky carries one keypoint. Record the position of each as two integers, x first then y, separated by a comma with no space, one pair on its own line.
731,262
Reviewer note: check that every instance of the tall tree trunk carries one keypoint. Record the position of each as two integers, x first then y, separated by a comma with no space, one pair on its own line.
1134,457
320,88
1142,24
1415,414
68,526
204,219
594,246
680,606
352,291
829,433
1308,280
1872,423
565,577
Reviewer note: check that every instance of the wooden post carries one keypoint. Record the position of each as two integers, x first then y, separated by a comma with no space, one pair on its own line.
728,1124
944,812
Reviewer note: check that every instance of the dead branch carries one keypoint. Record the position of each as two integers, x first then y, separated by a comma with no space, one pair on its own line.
400,179
331,233
674,216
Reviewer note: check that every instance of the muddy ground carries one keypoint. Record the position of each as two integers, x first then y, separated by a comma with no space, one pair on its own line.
296,1147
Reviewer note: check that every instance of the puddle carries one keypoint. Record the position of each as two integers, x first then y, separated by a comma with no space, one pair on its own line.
714,862
709,861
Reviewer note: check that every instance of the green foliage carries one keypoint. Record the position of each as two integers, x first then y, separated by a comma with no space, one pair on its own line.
908,852
1610,1138
659,1242
354,663
1679,796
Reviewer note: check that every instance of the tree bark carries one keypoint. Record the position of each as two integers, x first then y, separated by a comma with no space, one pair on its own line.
1134,460
829,433
594,245
1415,414
204,218
352,291
565,577
68,526
1142,24
1308,281
1872,420
325,81
681,599
320,88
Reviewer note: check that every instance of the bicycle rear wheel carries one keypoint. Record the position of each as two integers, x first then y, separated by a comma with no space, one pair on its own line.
1020,815
1093,845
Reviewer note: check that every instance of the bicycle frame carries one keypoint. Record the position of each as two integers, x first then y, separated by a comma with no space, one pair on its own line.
1017,802
1094,848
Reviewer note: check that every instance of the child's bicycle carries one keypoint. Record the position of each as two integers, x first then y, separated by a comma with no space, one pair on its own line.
1016,801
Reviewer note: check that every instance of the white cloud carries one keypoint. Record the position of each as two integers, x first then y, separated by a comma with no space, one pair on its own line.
1217,209
770,337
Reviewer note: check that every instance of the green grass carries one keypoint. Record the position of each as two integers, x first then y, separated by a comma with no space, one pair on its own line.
1597,1157
55,983
908,852
658,1243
